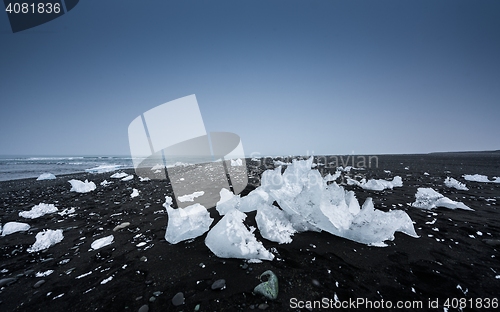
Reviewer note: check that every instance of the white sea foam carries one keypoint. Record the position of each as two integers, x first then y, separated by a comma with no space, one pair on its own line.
103,168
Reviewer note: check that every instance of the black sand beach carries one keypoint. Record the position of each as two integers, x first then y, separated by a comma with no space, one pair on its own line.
459,260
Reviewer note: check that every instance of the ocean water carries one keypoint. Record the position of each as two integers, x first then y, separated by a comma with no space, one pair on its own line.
21,167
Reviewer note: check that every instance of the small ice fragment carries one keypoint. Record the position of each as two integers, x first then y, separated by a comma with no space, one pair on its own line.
103,168
190,197
46,176
121,226
106,280
83,275
82,187
105,182
479,233
101,242
144,179
377,185
43,274
45,239
426,174
38,211
128,178
13,227
141,244
67,211
428,198
186,223
452,183
135,193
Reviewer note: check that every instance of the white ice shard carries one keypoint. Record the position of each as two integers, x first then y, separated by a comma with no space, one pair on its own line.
135,193
377,185
452,183
101,242
45,239
190,197
248,203
128,178
230,238
82,187
118,175
13,227
186,223
46,176
476,178
428,198
105,183
38,211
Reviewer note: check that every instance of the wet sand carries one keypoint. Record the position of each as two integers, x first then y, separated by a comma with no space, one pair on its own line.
455,256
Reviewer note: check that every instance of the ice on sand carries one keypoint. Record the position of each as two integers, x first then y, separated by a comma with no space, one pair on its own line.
186,223
38,211
135,193
311,203
46,176
452,183
45,239
101,242
118,175
230,238
377,185
13,227
428,198
274,224
248,203
236,163
479,178
103,169
82,187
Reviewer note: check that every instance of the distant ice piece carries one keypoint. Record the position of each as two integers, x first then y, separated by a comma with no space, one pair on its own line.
330,178
186,223
38,211
118,175
67,211
236,162
13,227
230,238
476,178
128,178
428,198
82,187
45,239
377,185
105,182
102,242
190,197
452,183
103,168
46,176
157,167
135,193
144,179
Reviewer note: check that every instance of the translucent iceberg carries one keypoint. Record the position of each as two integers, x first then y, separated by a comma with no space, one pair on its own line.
186,223
452,183
45,239
38,211
230,238
274,224
428,198
248,203
101,242
313,204
82,187
46,176
135,193
377,185
13,227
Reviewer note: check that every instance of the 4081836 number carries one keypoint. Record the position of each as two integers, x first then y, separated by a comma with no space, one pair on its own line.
40,8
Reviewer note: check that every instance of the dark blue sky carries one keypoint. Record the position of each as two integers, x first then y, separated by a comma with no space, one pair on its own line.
289,77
